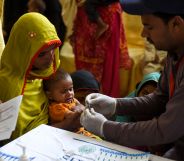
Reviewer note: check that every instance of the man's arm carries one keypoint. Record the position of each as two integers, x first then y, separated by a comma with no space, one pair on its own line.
152,104
166,128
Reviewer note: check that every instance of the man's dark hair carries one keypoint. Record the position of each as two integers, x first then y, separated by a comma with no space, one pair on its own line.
166,17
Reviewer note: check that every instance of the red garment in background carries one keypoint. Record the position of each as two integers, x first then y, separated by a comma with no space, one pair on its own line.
105,56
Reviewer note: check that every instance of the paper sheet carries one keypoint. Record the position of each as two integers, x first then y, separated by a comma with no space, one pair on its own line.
8,116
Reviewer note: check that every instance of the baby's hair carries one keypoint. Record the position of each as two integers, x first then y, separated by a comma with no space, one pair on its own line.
59,75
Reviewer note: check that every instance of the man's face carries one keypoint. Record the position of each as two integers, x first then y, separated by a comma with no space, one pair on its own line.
157,32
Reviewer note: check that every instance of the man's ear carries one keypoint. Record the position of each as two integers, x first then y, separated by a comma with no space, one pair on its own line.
177,21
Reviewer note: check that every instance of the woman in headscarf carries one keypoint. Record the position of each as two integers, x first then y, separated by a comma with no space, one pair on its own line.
31,55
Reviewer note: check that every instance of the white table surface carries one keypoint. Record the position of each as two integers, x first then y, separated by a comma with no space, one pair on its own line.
46,143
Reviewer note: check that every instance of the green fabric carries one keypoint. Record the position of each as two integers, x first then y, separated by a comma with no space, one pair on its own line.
148,77
29,36
123,118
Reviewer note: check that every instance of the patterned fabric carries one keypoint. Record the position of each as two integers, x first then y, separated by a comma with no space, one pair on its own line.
82,131
57,111
31,34
105,56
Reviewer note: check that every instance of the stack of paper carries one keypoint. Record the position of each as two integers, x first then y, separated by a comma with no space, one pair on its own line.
8,116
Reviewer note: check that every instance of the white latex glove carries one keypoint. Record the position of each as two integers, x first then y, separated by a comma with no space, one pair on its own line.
101,103
93,121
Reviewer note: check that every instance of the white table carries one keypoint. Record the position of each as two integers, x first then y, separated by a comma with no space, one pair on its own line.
46,143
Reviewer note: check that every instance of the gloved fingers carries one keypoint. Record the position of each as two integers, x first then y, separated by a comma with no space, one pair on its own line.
89,99
92,111
82,117
86,115
93,95
87,105
90,96
86,112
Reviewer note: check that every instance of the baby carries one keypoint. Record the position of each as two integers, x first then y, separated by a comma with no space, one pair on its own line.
64,109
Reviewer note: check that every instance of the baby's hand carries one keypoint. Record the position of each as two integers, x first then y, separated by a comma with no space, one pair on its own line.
73,119
71,115
79,108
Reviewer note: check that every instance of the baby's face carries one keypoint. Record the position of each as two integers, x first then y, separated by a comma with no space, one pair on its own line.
62,91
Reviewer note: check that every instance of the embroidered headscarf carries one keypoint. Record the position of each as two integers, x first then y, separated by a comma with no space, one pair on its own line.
31,34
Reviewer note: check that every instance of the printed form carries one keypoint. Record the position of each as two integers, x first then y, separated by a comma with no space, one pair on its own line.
8,116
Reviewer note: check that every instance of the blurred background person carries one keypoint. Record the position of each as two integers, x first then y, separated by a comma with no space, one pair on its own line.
1,30
50,8
105,56
84,83
36,6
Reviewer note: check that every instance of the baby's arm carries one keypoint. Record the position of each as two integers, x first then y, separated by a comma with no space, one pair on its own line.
78,108
69,122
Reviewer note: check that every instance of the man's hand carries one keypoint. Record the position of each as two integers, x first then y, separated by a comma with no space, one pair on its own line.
101,103
93,121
